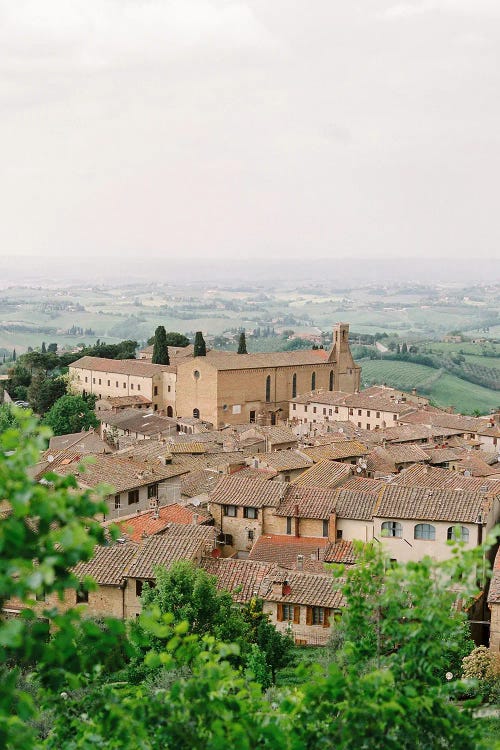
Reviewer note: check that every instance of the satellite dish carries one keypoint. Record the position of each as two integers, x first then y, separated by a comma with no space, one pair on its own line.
467,473
50,458
358,469
341,430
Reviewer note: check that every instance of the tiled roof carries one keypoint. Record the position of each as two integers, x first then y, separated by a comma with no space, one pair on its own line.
282,550
323,474
275,434
380,461
87,441
341,551
336,451
355,504
249,472
407,433
420,503
195,447
284,460
177,542
136,367
406,453
242,578
438,455
174,352
150,522
309,589
321,396
109,563
233,361
233,490
494,593
123,401
376,402
135,420
199,482
477,466
311,502
419,475
363,484
120,472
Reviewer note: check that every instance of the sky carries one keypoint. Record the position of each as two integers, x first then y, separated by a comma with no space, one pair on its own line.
250,130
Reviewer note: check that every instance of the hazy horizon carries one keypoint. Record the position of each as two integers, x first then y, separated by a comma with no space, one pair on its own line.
250,131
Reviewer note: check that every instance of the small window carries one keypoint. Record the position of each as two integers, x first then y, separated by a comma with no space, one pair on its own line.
116,384
425,531
169,388
359,425
313,381
133,497
196,374
392,528
458,533
318,615
124,385
324,412
250,512
287,477
294,407
251,535
230,510
314,410
93,380
368,426
86,379
155,390
330,384
82,596
305,408
325,528
153,490
338,534
99,381
196,413
138,587
359,412
294,385
131,386
118,503
378,415
289,525
336,410
268,389
394,417
288,611
351,412
368,412
138,387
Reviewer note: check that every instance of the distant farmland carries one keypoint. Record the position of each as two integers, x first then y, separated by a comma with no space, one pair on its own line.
441,387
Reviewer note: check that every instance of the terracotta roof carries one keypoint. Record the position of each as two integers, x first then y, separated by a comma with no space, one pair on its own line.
177,542
420,503
312,502
494,593
286,460
363,484
174,352
120,472
195,447
376,402
87,441
235,490
407,433
149,522
108,564
321,396
137,367
135,420
124,401
406,453
477,466
282,550
419,475
380,461
249,472
438,455
341,552
309,589
233,361
336,451
355,504
275,434
242,578
199,482
324,474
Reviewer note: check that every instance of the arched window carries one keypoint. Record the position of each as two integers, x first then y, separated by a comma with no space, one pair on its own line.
170,411
425,531
392,528
196,413
330,386
458,533
268,389
294,385
313,381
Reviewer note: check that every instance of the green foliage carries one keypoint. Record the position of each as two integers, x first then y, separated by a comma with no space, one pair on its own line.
7,418
70,414
173,338
44,391
200,348
242,344
160,348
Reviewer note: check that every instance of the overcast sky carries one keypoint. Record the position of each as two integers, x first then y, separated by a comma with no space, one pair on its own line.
252,129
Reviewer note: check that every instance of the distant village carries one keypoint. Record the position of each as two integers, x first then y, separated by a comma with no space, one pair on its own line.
264,468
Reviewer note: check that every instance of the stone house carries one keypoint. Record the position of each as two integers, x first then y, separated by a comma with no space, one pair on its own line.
287,464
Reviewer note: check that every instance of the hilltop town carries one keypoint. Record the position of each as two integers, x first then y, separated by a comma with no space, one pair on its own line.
262,468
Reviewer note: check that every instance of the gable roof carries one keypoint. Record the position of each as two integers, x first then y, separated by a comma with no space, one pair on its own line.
310,502
242,578
432,477
420,503
262,360
356,505
108,564
282,550
177,542
137,367
324,474
336,451
310,589
235,490
284,460
149,522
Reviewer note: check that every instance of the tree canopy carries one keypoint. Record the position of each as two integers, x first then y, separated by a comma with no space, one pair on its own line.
160,348
242,344
70,414
200,348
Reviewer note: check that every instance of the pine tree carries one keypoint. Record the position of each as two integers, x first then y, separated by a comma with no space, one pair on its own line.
44,348
200,348
160,348
242,344
404,348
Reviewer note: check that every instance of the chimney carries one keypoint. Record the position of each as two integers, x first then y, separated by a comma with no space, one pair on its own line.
332,527
300,562
196,518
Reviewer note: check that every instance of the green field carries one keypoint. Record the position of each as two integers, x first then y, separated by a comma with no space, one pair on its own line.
443,389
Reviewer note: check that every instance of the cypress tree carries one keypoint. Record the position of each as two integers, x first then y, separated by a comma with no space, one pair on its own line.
160,348
14,355
200,348
242,344
44,348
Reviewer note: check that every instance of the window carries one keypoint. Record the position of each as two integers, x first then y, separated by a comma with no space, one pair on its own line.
330,384
169,388
82,596
133,497
153,490
318,615
368,426
196,413
294,407
196,374
93,380
458,533
268,389
99,381
155,390
324,412
116,384
289,525
314,410
305,408
313,381
325,527
351,412
294,385
367,412
338,534
359,425
329,412
287,477
124,385
138,587
230,510
394,417
359,412
131,386
392,528
378,415
86,379
425,531
118,503
336,410
288,612
250,512
251,534
139,387
252,415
